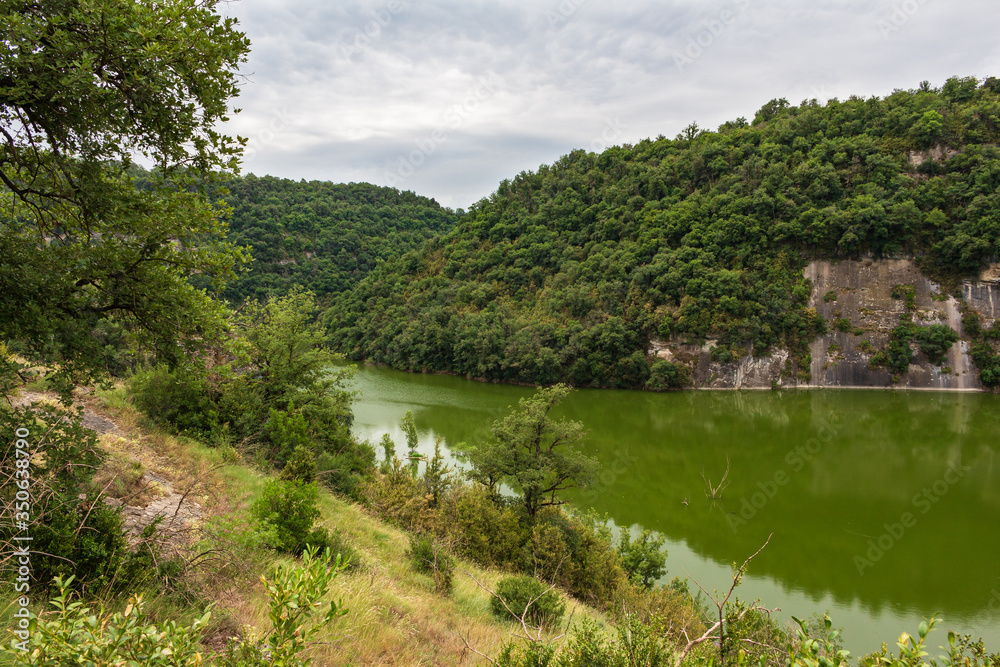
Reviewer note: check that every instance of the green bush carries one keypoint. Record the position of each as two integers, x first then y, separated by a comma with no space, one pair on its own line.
935,341
667,375
286,431
643,560
301,466
346,465
575,553
481,527
76,635
75,535
430,558
179,398
297,594
286,511
525,597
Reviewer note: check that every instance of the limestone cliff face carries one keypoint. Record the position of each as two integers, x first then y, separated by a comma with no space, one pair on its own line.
861,292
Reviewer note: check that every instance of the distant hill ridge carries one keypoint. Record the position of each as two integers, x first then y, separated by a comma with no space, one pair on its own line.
322,235
567,273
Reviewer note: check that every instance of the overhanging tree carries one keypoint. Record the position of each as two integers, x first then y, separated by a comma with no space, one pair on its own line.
85,87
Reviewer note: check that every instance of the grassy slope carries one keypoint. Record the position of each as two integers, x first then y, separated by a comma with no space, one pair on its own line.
394,618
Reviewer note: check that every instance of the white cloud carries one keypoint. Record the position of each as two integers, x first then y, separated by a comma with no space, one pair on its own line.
356,86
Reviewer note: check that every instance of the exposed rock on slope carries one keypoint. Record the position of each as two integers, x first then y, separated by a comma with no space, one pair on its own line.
859,297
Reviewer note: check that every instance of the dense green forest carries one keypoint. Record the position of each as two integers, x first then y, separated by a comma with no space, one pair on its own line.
564,274
323,235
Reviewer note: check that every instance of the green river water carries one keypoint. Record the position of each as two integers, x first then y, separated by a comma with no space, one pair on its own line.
884,505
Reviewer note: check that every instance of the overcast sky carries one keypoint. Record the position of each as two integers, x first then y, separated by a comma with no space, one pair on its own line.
449,97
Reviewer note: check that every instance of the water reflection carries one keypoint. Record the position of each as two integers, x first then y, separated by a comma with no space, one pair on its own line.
832,474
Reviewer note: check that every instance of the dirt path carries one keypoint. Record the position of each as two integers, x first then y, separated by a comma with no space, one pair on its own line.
147,498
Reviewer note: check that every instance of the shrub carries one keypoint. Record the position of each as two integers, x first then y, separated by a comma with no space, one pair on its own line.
430,558
525,597
179,398
576,554
935,341
75,635
843,324
643,560
296,595
286,431
667,375
481,527
668,608
345,465
301,466
286,511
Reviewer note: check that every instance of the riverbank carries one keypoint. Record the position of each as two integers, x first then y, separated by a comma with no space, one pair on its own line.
394,617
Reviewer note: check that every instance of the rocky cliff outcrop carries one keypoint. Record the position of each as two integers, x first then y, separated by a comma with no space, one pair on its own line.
863,301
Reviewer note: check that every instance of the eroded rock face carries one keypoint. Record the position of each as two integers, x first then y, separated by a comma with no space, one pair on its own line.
870,295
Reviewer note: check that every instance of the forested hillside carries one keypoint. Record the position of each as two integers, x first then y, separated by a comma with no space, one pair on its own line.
564,274
322,235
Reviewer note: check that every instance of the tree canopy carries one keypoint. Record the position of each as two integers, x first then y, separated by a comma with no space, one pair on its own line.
535,453
85,87
323,235
566,273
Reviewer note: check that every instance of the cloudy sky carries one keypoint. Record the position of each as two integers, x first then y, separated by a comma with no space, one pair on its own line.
449,97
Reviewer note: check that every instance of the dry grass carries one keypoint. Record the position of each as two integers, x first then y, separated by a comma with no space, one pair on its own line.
395,617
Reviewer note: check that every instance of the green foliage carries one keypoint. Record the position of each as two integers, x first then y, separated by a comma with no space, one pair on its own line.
287,431
988,363
637,644
179,397
906,292
324,235
388,452
301,466
482,529
898,355
75,535
409,428
576,554
80,245
286,512
74,634
437,476
537,454
525,597
644,559
935,341
566,273
296,594
830,296
665,375
752,633
843,324
428,557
